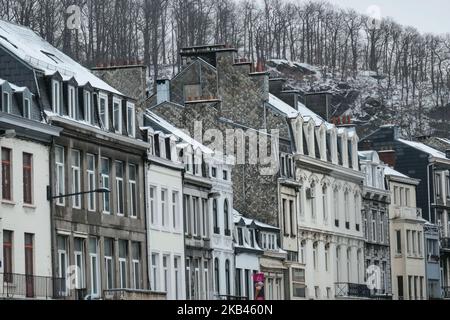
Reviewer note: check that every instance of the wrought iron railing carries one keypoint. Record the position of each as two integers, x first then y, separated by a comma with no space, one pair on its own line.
347,290
229,298
133,294
21,286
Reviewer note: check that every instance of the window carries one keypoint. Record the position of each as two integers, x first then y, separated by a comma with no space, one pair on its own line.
407,197
103,111
6,174
315,265
76,179
72,103
298,285
27,108
205,224
215,218
28,178
414,243
205,280
357,213
6,103
164,209
136,264
119,188
398,234
79,262
285,217
410,287
374,226
419,243
187,214
8,255
381,227
438,185
166,273
196,215
214,172
109,265
88,107
152,204
448,186
225,175
60,179
93,263
155,272
117,115
29,262
123,262
313,202
106,184
192,92
336,207
292,217
408,241
91,181
228,277
400,287
197,279
61,243
347,210
131,119
56,97
216,275
303,252
226,218
327,257
240,237
132,194
325,203
177,273
238,282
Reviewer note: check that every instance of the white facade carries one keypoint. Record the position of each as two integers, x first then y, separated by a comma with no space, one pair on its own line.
247,255
221,230
19,218
407,239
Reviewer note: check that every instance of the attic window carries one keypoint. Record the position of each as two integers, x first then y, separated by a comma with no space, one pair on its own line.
51,56
6,39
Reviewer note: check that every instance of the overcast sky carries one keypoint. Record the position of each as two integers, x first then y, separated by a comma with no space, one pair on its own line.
425,15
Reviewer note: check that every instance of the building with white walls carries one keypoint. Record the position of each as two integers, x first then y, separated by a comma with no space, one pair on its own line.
406,227
25,223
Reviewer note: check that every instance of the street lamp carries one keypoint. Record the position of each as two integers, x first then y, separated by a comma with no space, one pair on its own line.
52,197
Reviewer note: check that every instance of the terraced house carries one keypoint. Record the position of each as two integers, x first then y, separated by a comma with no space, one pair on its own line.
102,234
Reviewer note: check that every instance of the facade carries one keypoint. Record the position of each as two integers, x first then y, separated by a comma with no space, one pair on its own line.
165,245
272,262
376,200
247,255
432,261
25,247
98,238
406,228
431,166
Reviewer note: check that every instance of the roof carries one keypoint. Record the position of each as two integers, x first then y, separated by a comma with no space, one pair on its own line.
13,86
282,106
388,171
177,132
39,54
424,148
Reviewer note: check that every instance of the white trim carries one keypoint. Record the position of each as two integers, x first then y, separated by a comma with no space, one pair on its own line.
132,132
117,129
103,122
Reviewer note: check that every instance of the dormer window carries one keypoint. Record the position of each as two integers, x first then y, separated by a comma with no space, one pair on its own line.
88,107
151,143
72,103
117,115
56,97
162,146
131,120
103,111
27,108
6,104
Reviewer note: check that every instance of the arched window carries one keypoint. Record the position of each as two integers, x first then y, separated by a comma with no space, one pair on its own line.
216,275
226,216
215,218
228,277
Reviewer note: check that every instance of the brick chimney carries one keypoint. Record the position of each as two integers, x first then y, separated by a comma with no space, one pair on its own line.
388,157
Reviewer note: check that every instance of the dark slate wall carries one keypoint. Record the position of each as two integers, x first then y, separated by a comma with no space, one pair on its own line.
16,72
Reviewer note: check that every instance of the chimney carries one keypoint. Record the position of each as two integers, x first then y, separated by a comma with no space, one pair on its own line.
366,145
388,157
162,90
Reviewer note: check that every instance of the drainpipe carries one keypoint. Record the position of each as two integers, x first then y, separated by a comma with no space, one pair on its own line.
430,165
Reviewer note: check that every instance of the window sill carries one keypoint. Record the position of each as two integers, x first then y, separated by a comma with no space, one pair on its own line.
29,206
8,202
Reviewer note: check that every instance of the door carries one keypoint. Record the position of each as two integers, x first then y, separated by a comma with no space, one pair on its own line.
29,267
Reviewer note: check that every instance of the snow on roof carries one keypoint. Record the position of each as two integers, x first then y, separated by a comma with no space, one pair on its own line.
265,226
31,48
388,171
424,148
282,106
13,86
178,133
305,112
446,141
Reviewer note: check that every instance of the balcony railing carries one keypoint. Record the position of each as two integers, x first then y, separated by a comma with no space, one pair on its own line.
20,286
133,294
229,298
407,212
349,290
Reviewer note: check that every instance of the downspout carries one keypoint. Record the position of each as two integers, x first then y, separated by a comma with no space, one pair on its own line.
430,165
146,220
52,217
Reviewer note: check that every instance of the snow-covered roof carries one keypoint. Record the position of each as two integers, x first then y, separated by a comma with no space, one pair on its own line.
282,106
446,141
178,133
31,48
424,148
13,86
388,171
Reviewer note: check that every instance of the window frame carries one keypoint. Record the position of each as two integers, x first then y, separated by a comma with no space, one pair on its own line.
118,102
131,131
60,175
120,188
103,122
27,108
76,178
106,199
56,97
28,169
90,174
71,102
